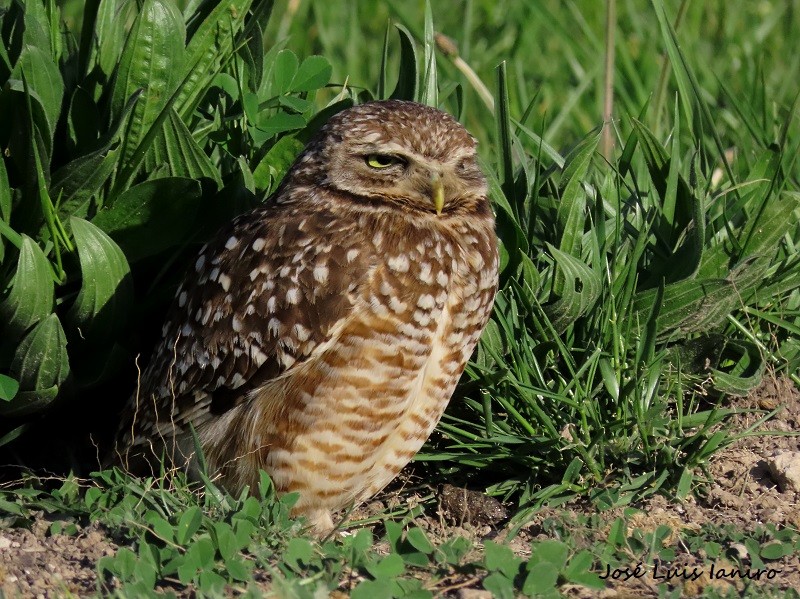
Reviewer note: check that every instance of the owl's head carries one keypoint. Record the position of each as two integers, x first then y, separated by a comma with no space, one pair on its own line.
407,155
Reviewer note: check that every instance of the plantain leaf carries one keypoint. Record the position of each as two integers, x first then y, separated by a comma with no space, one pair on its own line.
572,205
744,372
689,306
430,86
582,287
211,47
776,216
273,166
104,301
176,149
152,216
152,60
31,296
5,193
44,84
112,16
41,365
76,183
408,77
5,208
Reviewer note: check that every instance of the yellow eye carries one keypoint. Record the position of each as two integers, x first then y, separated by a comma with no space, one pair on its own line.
382,160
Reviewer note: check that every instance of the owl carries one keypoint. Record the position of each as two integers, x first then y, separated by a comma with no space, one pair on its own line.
320,336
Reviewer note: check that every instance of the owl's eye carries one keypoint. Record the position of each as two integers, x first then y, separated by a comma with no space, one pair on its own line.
382,160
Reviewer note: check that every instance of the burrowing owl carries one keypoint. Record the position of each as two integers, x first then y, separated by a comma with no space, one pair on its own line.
320,336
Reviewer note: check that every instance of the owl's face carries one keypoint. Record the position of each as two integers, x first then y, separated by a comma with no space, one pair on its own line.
403,154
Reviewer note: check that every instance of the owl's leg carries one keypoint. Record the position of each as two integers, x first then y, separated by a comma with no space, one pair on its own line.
320,521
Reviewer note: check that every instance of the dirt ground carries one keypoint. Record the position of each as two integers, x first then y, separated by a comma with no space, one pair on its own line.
35,563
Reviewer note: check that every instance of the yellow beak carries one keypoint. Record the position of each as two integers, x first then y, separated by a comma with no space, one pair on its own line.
437,192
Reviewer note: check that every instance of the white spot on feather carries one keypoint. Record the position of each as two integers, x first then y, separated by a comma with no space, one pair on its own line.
426,301
425,273
259,244
293,295
231,243
225,281
274,326
301,332
399,263
320,273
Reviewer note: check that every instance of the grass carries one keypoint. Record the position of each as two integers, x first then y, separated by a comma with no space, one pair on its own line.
642,280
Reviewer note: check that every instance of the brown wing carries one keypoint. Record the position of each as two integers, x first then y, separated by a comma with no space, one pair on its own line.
261,297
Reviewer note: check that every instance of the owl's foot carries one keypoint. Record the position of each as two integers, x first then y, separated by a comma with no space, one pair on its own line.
320,521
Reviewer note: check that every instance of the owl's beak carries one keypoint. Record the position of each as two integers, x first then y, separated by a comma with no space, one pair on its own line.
437,192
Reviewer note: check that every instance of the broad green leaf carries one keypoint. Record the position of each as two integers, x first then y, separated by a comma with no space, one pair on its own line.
500,558
689,306
390,566
297,553
279,123
31,296
273,166
36,28
286,65
408,77
41,365
176,149
572,204
677,207
313,73
227,83
112,17
776,216
45,85
503,124
84,121
76,183
581,288
8,387
103,303
152,216
211,46
225,540
579,571
416,537
541,577
373,589
152,60
5,193
160,526
746,371
675,59
188,525
429,94
252,51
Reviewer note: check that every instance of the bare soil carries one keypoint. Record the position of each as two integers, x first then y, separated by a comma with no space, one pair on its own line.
744,494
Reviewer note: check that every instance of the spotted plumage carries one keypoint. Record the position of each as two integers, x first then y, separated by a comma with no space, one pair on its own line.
320,336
